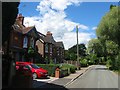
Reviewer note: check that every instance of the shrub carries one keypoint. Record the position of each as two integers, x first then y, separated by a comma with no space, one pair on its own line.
83,62
64,72
109,63
71,68
50,68
65,69
90,62
117,62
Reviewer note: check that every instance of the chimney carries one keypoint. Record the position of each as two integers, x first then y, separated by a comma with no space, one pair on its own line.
49,33
20,19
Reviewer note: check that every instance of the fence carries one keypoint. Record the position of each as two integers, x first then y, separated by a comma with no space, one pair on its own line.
71,62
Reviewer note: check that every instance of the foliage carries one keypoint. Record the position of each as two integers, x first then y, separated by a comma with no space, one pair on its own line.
71,53
51,61
109,63
82,49
83,62
31,52
65,69
117,62
50,68
64,72
94,58
73,56
95,47
108,32
71,68
109,26
67,55
111,48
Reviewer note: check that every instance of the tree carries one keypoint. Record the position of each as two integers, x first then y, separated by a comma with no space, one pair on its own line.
67,55
71,53
112,48
108,32
82,49
95,47
109,26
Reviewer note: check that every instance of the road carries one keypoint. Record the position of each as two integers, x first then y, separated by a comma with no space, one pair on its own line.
96,77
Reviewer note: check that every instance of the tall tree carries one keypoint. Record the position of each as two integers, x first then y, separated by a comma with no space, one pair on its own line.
109,26
95,47
82,49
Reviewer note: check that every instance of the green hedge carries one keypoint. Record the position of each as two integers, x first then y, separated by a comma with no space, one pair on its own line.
65,69
71,68
64,72
49,67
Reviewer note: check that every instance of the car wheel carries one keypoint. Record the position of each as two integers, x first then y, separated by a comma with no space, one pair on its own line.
34,75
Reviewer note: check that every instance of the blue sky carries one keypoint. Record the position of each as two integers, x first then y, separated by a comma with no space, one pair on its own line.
86,14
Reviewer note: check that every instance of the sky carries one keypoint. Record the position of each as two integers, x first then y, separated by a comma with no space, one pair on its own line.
62,16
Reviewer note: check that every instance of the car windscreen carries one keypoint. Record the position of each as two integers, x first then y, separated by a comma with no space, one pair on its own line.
34,66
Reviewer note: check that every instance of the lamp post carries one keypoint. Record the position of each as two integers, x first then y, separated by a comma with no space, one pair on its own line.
78,63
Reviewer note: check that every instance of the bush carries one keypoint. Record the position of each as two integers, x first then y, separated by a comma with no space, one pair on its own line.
113,63
65,69
71,68
83,62
117,62
109,64
64,72
90,62
49,67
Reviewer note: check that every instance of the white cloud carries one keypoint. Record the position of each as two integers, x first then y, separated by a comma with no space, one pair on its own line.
70,38
53,18
94,28
59,5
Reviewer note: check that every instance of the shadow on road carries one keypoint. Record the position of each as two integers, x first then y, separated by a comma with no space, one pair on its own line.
47,86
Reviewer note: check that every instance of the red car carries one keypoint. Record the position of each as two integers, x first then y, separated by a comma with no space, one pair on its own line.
37,72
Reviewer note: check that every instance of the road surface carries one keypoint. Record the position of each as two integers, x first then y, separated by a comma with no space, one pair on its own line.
96,77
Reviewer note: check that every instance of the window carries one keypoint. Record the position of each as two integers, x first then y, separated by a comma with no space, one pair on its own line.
50,48
32,42
34,66
28,67
25,41
46,47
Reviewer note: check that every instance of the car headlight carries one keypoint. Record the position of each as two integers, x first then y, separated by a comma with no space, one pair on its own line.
41,72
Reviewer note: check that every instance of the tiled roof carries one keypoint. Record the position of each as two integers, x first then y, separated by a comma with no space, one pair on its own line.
59,44
49,39
27,29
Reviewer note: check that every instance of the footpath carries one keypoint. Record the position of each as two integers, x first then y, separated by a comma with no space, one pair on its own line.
52,82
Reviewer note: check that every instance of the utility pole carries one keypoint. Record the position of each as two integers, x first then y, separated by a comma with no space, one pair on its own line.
78,63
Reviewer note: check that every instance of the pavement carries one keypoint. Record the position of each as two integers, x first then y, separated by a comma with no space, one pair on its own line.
42,83
68,79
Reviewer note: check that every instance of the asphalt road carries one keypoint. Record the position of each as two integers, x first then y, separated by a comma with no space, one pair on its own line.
96,77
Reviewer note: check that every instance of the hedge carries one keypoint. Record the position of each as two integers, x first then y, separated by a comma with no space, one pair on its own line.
49,67
71,68
65,69
64,72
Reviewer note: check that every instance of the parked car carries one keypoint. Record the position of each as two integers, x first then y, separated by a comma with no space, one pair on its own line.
37,72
